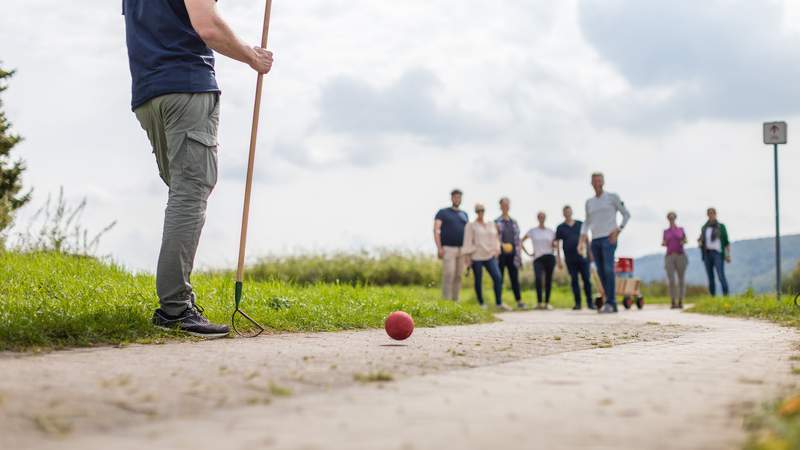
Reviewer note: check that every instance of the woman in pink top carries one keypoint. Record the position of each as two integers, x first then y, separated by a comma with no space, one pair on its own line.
676,261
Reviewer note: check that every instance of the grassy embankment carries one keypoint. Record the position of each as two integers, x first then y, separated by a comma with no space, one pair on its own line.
50,300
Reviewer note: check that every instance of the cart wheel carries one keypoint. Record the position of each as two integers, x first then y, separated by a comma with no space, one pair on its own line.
598,303
627,302
640,302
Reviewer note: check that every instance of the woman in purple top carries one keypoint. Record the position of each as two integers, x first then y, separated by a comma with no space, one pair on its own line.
675,262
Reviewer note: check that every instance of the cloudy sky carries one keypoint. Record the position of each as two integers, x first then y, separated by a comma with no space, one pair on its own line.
375,110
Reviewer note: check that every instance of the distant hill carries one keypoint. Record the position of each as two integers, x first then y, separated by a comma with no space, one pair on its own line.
753,264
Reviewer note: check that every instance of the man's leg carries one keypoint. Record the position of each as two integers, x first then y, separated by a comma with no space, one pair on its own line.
497,280
611,276
586,275
709,262
572,268
599,264
459,275
477,275
192,121
449,261
183,131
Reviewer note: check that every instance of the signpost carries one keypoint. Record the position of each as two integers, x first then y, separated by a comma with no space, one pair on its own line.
776,133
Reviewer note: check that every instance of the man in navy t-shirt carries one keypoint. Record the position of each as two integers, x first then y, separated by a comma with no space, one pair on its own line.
175,97
569,233
448,233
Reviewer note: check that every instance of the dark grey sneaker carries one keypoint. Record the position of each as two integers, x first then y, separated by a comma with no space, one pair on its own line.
608,308
191,321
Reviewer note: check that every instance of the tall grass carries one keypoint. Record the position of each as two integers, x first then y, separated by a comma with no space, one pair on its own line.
381,268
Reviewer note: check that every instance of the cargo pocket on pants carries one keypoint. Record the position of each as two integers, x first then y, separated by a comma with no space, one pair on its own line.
200,161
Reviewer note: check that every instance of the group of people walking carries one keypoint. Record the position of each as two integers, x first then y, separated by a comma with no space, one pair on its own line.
498,245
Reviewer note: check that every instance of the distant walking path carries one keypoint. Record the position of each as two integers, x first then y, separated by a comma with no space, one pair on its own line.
652,379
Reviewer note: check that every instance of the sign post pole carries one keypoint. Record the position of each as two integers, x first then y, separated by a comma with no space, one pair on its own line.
777,230
775,133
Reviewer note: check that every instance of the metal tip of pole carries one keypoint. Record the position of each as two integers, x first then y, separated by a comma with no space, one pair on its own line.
256,327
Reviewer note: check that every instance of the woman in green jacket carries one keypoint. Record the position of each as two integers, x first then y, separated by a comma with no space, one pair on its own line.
716,251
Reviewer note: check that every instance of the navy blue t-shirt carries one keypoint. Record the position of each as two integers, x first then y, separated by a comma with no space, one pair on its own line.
570,236
453,224
166,54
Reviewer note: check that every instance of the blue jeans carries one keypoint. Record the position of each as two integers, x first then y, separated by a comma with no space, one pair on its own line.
579,266
494,271
603,252
714,261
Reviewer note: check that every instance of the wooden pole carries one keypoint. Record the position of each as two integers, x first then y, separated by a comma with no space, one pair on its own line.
252,156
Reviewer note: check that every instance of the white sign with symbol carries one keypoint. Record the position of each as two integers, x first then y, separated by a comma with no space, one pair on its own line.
775,133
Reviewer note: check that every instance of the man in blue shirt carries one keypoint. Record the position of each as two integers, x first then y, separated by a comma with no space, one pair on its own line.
175,97
448,233
569,234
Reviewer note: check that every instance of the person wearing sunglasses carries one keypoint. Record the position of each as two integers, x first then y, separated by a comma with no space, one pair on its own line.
482,247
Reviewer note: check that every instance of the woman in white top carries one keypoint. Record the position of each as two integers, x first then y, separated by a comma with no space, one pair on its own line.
481,247
544,259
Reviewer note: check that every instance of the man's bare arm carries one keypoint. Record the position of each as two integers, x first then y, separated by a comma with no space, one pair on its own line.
216,33
437,237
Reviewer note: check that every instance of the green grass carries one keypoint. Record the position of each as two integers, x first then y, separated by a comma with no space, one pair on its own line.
52,300
766,307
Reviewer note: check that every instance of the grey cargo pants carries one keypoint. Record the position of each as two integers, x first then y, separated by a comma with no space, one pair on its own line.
182,129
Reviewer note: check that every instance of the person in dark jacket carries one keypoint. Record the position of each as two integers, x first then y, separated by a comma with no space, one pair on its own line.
715,248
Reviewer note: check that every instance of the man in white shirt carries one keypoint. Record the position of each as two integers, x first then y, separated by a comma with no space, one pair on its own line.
601,221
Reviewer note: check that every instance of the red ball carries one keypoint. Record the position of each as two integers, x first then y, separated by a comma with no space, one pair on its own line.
399,325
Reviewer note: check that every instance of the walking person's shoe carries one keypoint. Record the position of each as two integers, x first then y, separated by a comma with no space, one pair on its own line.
502,307
576,308
590,305
539,306
483,306
521,306
190,321
607,309
548,307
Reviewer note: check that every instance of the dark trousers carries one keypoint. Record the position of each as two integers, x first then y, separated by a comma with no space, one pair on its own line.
579,266
543,268
494,272
507,261
603,252
715,261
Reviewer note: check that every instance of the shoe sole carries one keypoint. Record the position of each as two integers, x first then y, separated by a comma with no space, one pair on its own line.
195,334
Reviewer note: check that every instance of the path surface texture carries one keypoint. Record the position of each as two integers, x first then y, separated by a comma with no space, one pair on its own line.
651,379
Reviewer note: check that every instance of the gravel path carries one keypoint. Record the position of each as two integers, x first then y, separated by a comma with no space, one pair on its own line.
562,379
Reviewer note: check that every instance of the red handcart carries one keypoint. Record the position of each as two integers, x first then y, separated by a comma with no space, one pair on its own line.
627,286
